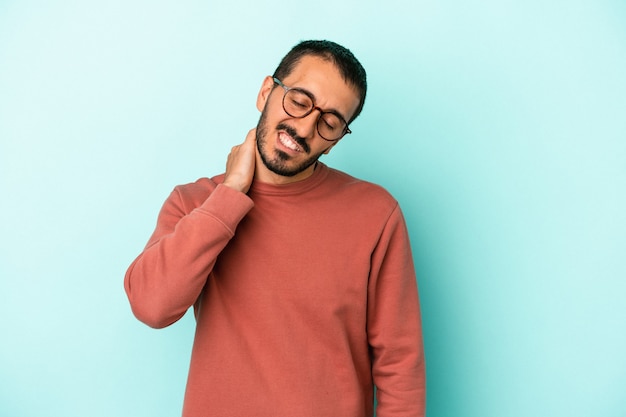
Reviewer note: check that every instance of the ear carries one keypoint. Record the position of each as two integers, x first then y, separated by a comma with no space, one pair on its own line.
264,92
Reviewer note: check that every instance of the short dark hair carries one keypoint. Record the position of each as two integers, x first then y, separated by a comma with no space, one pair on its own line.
349,67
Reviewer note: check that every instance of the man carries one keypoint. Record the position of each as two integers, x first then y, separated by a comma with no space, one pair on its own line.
301,276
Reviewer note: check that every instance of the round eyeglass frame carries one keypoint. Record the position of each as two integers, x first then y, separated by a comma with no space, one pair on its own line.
346,129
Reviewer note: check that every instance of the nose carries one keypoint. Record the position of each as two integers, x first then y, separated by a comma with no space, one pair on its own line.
308,123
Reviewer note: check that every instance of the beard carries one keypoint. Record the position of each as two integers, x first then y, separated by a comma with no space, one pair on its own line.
278,161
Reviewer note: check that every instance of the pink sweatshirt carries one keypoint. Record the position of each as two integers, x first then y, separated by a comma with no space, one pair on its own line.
304,296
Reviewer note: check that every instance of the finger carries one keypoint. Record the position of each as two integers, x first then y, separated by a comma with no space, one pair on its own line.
251,136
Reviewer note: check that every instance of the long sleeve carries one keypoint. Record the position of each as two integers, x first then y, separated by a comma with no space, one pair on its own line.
196,222
394,326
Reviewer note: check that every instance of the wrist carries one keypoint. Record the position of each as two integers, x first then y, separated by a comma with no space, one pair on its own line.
236,185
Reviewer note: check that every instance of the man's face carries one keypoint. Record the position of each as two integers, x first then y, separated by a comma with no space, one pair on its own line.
288,146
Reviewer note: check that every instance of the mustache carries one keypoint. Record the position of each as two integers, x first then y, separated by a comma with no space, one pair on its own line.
292,132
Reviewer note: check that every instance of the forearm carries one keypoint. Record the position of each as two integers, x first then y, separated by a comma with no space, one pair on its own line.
167,278
398,363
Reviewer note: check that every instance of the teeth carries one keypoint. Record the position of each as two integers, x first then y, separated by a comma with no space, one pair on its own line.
288,142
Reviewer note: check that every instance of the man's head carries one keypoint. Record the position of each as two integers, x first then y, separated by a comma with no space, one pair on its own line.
291,141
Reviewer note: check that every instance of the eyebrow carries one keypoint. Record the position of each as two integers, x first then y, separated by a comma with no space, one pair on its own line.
310,94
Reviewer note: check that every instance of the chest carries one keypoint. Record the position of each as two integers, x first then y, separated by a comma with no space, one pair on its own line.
299,256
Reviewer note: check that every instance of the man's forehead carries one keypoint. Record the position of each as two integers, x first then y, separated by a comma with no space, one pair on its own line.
312,66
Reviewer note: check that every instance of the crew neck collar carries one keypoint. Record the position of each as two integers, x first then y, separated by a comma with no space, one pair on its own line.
320,172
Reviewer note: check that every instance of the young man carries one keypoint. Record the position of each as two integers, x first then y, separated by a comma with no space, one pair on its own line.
301,276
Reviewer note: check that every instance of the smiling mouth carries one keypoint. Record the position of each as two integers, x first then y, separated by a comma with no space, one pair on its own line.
288,142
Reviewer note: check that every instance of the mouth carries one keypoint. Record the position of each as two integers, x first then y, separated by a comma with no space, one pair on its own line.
288,142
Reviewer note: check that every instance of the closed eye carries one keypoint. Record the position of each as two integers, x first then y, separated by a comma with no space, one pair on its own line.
330,121
300,104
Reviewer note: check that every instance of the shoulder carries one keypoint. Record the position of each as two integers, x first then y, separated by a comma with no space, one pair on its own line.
195,193
359,192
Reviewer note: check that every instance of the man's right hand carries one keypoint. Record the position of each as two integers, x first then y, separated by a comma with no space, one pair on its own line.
241,164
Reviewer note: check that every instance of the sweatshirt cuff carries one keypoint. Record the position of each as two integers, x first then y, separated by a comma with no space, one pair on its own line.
227,205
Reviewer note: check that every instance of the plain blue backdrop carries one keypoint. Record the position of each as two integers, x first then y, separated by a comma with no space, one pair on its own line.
499,126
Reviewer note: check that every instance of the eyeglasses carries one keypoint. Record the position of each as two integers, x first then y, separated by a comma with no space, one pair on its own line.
298,103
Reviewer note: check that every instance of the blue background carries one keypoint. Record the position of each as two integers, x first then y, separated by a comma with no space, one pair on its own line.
499,126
